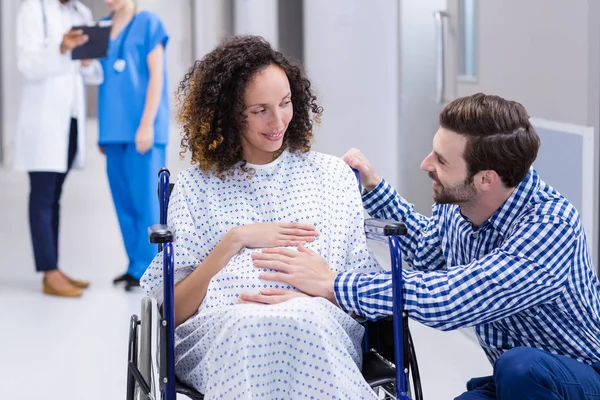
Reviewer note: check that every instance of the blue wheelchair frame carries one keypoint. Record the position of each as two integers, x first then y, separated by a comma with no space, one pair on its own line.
380,370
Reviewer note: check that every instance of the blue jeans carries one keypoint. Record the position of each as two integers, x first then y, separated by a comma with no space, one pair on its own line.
44,208
524,373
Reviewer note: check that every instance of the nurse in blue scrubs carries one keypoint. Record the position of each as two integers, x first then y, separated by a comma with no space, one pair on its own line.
133,114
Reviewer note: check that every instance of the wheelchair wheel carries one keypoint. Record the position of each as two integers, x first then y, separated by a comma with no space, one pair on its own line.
145,349
414,369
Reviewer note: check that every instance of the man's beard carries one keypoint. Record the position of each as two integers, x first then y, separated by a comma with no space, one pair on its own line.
459,194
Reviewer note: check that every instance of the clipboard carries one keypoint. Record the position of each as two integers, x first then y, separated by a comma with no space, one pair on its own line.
97,44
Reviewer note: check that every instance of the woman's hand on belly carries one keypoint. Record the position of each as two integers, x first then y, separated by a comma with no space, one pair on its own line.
274,234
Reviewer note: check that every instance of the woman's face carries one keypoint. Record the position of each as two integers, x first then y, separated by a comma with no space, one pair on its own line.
268,109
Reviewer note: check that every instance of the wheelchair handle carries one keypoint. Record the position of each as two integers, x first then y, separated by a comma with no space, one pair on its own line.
163,169
164,193
357,174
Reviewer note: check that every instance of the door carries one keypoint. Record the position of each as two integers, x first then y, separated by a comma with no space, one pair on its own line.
10,77
422,57
1,104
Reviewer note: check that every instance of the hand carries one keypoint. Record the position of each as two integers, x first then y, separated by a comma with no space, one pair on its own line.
274,234
303,269
368,177
86,62
72,39
144,138
269,296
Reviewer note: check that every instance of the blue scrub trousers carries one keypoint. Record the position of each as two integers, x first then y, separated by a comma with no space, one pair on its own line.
133,180
524,373
44,208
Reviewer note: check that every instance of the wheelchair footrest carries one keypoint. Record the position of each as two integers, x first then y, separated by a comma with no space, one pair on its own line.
376,370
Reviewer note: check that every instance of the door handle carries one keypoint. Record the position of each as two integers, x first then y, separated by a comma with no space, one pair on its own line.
440,48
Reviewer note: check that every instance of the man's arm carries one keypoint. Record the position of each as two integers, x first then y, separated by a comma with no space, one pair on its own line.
529,269
421,247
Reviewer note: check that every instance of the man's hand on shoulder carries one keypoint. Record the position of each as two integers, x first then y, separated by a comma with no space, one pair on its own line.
368,177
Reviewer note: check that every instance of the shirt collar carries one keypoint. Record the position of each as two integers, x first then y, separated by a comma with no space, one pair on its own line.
503,218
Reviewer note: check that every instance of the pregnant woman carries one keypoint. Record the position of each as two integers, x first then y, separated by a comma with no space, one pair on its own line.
247,120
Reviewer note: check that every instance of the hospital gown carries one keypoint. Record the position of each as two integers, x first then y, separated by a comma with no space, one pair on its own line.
303,348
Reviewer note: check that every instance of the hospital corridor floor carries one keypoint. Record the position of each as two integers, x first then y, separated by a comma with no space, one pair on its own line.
76,349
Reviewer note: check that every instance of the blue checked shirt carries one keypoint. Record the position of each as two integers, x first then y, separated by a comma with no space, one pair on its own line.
523,278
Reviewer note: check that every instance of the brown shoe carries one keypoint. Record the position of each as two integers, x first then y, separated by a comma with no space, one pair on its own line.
79,284
71,292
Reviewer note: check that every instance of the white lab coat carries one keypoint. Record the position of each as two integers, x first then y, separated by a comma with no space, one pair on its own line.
50,80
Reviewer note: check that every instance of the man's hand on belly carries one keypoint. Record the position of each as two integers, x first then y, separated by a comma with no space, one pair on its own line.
303,269
270,296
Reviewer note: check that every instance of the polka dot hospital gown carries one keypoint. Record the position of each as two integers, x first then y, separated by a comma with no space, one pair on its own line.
305,348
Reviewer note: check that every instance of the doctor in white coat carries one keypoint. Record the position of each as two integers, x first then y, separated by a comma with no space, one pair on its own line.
51,123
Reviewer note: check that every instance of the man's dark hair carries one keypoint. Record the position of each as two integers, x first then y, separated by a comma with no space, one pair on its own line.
499,135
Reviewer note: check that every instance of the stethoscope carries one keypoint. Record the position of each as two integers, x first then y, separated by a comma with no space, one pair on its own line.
120,63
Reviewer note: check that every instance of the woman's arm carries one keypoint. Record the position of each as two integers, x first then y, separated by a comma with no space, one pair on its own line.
197,262
155,61
144,138
92,73
190,292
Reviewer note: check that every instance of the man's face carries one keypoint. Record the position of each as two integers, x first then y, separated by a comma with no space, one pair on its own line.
448,169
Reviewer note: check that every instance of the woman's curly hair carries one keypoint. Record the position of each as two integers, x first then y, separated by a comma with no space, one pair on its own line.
211,97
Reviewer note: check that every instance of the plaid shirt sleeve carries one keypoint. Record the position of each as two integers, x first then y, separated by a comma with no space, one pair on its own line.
530,268
421,247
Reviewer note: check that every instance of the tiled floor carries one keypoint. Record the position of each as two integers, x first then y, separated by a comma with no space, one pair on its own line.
75,349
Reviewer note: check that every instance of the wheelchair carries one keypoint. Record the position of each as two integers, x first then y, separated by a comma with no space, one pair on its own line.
151,360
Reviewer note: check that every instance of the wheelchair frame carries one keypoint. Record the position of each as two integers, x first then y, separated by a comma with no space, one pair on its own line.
377,370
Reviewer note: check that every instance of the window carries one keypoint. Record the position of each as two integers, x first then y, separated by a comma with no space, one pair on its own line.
467,25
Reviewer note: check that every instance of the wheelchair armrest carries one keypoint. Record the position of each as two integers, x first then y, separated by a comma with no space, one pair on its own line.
384,227
159,234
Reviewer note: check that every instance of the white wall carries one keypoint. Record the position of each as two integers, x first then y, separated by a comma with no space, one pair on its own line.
351,56
535,52
211,23
257,17
419,110
177,18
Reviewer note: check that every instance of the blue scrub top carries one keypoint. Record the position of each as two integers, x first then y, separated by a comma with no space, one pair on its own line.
122,95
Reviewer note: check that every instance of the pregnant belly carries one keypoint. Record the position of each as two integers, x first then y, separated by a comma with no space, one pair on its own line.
239,275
